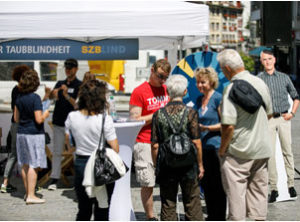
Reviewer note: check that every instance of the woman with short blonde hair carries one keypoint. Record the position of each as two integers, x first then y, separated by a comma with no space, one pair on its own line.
207,106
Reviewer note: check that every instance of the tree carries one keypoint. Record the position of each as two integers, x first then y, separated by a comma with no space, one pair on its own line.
248,62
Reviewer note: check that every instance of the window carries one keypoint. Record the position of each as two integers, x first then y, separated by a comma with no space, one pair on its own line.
48,71
218,38
6,69
217,26
213,26
212,38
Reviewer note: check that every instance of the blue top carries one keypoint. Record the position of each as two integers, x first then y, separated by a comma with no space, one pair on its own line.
27,104
209,116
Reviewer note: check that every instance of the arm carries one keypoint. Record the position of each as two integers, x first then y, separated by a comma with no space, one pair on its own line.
198,145
135,112
70,99
47,93
226,136
212,128
40,117
16,114
154,152
114,144
288,116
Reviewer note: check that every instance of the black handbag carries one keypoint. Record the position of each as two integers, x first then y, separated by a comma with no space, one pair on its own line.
105,171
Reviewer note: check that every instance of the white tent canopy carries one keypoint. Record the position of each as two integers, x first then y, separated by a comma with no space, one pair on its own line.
158,22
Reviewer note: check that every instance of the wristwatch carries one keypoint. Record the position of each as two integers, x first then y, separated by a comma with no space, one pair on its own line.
293,114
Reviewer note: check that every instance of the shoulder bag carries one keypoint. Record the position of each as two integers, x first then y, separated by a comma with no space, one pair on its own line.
109,166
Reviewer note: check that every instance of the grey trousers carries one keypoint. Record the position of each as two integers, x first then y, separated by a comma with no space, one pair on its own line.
12,157
246,185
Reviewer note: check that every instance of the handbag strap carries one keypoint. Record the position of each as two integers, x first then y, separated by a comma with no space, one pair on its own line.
102,132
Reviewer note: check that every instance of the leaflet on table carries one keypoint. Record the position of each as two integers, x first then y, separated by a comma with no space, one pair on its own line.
124,120
46,104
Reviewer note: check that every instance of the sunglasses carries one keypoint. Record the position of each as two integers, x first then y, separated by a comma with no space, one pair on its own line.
161,76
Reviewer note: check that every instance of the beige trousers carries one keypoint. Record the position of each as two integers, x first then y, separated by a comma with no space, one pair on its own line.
283,128
246,184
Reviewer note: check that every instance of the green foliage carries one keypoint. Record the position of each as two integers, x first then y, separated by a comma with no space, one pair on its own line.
248,61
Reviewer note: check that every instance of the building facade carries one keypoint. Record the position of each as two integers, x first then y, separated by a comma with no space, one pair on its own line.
226,24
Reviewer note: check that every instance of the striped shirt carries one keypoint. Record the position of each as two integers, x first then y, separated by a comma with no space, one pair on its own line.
280,85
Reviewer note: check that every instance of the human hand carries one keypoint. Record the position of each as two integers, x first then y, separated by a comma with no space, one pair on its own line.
201,170
203,127
287,116
46,114
64,88
54,93
221,153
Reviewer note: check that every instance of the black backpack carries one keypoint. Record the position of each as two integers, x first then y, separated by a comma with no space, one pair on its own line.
246,96
178,150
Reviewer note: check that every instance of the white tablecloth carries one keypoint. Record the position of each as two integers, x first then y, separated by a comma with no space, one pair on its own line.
121,206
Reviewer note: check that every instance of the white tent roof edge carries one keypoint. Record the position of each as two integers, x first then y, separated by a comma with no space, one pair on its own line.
158,25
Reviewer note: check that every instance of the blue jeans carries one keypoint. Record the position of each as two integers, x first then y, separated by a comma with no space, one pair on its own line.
85,204
12,158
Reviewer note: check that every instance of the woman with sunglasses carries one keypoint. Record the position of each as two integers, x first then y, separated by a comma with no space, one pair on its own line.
207,106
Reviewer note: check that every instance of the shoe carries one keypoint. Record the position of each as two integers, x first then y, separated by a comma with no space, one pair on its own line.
8,189
38,189
292,192
52,187
273,196
152,219
35,201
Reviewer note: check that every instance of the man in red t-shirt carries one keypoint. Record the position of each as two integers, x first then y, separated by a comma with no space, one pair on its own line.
145,100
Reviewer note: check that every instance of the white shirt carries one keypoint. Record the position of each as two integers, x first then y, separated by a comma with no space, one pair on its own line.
86,131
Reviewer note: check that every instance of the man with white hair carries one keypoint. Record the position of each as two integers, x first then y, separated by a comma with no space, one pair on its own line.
280,86
245,144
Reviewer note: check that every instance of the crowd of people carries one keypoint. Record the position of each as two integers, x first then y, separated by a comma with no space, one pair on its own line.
227,151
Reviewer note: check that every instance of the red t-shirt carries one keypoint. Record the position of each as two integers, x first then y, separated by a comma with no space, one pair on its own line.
150,99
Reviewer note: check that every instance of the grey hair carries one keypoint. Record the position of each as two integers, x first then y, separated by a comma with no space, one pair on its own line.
230,58
176,85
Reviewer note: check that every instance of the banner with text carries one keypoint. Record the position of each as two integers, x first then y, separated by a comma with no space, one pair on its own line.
61,49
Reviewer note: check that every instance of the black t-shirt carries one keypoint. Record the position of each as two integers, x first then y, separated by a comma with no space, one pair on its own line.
27,104
14,95
63,106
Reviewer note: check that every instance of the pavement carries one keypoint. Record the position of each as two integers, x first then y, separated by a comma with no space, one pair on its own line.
61,204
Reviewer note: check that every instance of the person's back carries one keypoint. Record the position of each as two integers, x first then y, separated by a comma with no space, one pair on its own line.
250,139
85,125
245,144
174,167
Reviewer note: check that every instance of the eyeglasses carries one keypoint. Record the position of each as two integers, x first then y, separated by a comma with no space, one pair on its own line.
161,76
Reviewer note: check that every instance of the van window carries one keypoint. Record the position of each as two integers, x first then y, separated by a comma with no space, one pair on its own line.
48,71
6,69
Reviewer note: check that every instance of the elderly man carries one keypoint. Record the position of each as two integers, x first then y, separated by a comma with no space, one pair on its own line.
280,86
245,144
145,100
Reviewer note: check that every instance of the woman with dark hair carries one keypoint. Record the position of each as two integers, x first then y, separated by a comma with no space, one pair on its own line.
6,187
30,135
85,125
